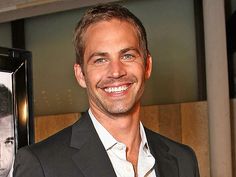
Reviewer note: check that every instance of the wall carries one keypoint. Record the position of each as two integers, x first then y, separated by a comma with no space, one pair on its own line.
5,35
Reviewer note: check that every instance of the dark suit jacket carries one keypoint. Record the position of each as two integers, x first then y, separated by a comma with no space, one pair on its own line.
77,151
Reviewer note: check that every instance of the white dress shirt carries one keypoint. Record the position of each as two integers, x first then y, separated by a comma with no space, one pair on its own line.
117,153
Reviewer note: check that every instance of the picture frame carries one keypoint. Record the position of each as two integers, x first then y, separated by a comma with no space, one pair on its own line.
16,76
200,50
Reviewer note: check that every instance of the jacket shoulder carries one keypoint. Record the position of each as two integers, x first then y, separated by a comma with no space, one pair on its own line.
184,154
46,156
167,143
58,139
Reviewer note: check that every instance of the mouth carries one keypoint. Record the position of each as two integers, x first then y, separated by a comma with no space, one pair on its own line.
2,171
116,89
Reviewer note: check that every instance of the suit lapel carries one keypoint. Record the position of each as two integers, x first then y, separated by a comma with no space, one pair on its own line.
92,158
166,164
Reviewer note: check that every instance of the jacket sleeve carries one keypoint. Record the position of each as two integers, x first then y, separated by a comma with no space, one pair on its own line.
26,164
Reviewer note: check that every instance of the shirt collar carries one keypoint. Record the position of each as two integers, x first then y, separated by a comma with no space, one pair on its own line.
109,141
144,143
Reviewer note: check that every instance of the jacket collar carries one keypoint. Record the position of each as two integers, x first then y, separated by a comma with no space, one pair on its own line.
91,158
166,164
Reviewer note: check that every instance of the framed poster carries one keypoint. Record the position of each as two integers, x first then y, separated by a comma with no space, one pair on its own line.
16,114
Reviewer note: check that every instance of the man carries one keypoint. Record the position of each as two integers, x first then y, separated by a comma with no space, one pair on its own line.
7,151
113,64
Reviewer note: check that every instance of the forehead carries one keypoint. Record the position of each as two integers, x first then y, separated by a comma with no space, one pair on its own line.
6,122
113,33
110,26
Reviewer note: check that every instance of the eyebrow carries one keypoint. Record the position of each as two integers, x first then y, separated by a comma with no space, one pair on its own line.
129,49
98,54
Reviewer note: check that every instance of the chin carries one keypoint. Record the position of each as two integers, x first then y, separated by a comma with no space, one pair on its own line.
116,110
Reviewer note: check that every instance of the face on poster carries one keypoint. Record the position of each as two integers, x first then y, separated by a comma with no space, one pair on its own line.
7,143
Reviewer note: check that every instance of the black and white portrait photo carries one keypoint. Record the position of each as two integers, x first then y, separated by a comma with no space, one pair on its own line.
7,138
16,115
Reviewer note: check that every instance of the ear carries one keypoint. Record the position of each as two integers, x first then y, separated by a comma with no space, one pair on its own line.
79,75
148,67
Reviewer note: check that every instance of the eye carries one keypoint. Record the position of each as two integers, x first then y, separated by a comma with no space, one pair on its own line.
128,57
100,60
9,141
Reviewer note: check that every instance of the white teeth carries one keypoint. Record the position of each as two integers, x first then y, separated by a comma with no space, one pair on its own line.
116,89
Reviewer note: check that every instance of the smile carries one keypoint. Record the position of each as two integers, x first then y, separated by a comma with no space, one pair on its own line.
116,89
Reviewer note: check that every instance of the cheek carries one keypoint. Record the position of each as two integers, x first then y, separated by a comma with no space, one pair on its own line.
93,77
7,155
138,71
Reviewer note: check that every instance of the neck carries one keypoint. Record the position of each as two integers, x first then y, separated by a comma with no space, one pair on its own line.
124,128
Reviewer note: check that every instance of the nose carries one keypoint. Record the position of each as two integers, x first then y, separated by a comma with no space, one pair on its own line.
116,69
6,156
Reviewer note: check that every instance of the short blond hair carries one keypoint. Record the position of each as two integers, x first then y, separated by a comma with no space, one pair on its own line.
106,12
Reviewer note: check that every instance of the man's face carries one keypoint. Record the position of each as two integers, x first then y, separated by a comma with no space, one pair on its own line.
114,71
6,145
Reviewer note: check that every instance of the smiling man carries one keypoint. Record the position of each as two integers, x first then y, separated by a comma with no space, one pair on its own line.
112,64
